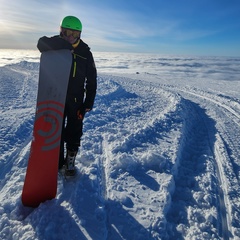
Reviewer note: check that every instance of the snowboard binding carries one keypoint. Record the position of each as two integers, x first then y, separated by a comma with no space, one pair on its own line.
70,163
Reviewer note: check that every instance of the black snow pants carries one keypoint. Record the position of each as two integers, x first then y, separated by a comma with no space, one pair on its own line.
72,125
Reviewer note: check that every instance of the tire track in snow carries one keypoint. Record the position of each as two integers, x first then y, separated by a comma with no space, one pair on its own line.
220,101
197,183
227,152
226,111
223,209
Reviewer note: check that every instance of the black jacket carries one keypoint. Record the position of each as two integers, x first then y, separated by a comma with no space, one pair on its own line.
83,77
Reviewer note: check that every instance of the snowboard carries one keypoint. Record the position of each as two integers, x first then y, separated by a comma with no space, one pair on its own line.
42,171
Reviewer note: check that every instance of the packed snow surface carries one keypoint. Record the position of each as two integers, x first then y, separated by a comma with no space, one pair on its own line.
159,159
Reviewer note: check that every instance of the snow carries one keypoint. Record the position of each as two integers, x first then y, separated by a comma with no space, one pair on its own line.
160,155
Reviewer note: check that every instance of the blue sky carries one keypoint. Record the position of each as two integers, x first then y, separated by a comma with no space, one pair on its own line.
196,27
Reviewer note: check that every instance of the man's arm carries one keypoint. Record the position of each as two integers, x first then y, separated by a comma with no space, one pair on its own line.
53,43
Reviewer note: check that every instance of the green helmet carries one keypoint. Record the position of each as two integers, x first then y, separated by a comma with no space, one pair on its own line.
71,22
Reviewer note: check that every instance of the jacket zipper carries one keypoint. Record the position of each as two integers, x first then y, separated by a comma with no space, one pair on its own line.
74,65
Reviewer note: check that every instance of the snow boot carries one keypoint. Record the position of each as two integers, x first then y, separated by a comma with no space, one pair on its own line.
70,163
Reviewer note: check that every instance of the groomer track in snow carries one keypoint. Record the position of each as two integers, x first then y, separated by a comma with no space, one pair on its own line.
159,159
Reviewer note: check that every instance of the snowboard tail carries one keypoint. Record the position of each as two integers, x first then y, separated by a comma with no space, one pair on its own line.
42,170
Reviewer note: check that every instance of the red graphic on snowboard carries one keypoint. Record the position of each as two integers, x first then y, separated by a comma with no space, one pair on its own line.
43,154
51,113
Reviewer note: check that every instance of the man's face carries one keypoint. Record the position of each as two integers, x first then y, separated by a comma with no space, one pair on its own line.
70,35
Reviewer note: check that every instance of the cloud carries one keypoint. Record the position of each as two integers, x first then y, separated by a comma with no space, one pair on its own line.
113,26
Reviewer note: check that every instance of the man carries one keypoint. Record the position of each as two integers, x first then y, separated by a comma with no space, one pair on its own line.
81,87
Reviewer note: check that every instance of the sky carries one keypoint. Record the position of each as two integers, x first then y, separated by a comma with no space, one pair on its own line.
184,27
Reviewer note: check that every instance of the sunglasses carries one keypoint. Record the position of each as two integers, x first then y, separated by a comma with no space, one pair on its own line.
68,32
